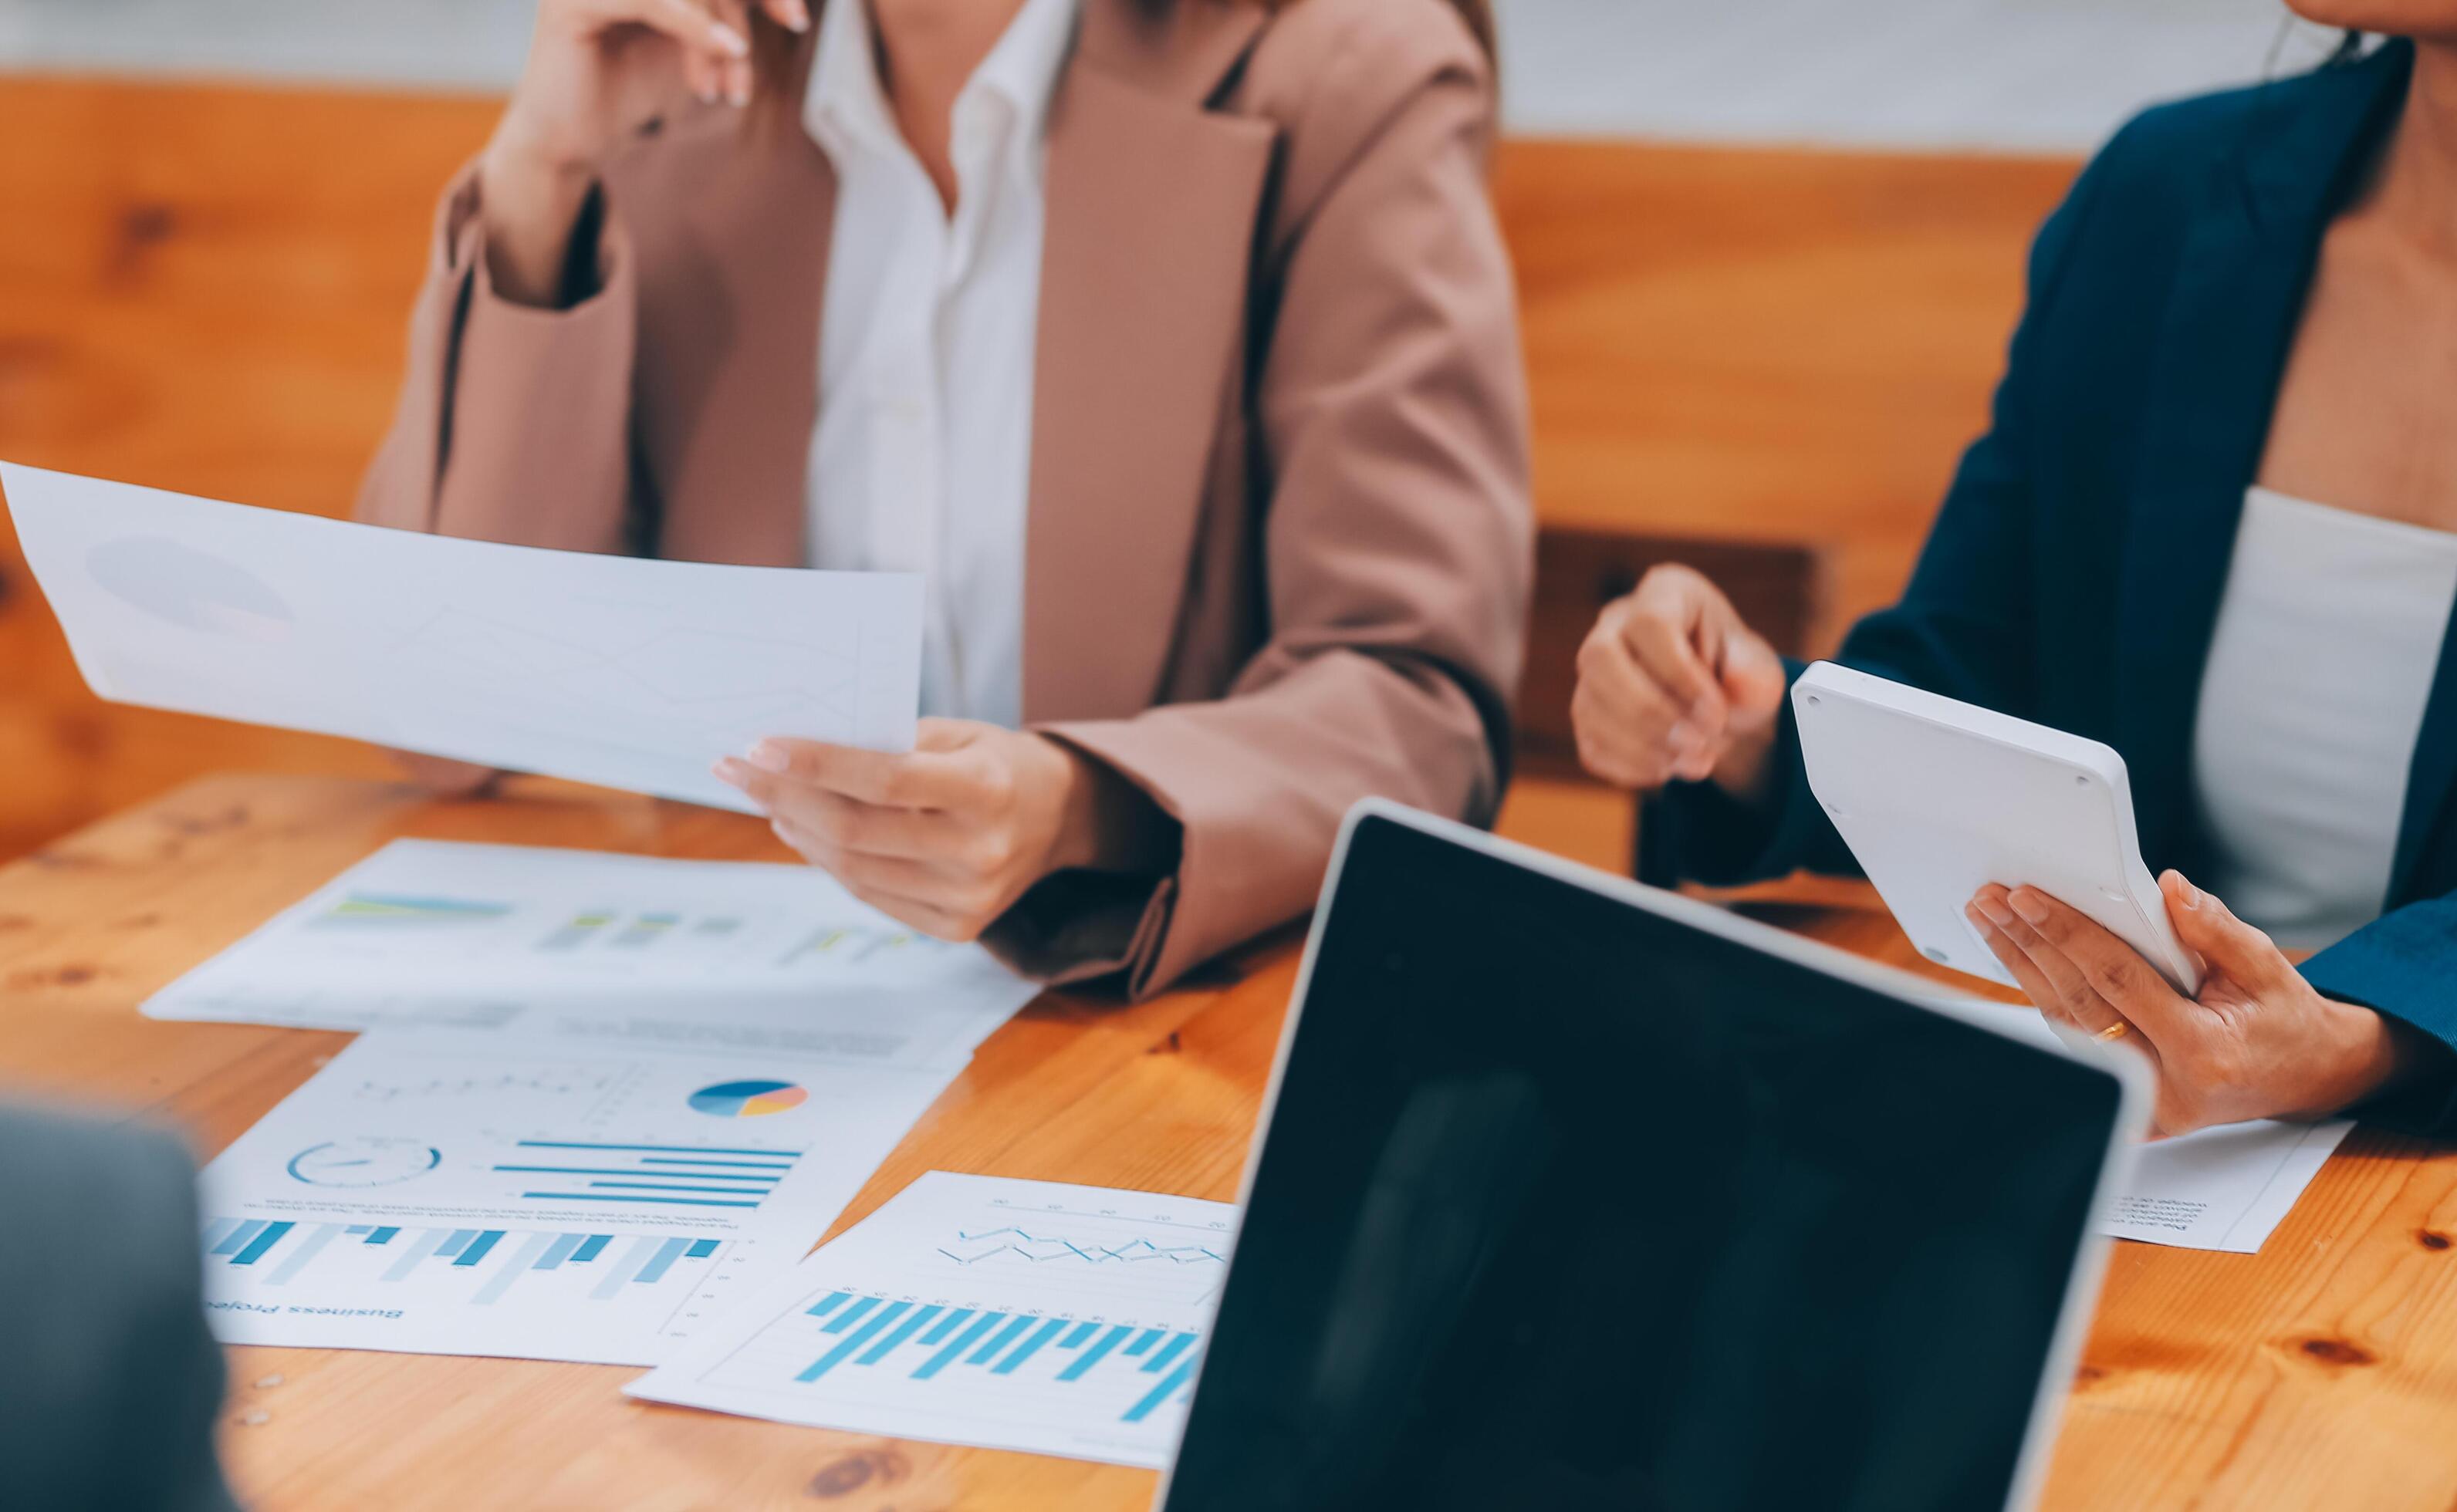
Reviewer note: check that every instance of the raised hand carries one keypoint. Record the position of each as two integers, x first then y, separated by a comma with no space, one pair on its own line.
1673,686
596,71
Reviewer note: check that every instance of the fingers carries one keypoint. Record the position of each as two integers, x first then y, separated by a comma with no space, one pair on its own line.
2035,986
793,15
1649,707
920,780
713,35
1629,730
696,28
1754,677
1661,627
2114,969
912,891
734,73
2047,974
2225,943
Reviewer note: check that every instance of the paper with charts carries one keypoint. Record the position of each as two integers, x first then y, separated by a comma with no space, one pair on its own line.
607,669
1012,1315
736,954
2227,1188
487,1192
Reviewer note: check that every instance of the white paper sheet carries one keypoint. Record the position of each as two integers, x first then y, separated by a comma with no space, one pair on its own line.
484,1192
2227,1188
1013,1314
744,954
613,671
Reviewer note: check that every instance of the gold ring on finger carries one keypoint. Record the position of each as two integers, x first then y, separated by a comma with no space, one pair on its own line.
2113,1032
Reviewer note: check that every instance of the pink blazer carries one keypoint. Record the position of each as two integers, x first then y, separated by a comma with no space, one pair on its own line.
1278,549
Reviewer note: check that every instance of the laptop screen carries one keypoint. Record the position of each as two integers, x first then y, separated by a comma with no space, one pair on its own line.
1567,1204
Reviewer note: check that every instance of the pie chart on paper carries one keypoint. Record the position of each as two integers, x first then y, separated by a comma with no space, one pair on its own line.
748,1099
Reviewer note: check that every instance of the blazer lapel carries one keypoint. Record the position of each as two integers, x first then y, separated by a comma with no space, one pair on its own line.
1152,202
728,383
2429,782
2219,357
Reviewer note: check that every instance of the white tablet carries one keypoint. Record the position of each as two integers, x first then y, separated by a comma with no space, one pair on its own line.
1938,798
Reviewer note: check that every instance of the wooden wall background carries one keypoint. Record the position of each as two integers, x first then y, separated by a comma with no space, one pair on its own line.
205,289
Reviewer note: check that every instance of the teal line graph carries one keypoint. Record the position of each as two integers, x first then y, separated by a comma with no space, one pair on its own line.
1038,1248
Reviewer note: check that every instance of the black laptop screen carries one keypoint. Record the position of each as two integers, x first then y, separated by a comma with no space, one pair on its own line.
1568,1205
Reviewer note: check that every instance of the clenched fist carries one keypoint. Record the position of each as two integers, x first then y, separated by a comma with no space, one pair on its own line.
1673,686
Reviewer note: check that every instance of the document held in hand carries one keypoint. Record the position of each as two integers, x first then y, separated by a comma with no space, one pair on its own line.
614,670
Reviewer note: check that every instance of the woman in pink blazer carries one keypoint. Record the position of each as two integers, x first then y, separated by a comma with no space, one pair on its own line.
1172,340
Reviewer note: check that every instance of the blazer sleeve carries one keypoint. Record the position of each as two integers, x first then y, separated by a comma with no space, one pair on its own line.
1398,544
2399,966
514,421
1964,626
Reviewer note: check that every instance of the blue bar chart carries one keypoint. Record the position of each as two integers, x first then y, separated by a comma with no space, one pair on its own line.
283,1254
1014,1315
909,1338
468,1289
656,1176
452,1192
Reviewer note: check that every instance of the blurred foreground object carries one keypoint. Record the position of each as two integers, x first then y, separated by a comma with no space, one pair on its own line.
110,1381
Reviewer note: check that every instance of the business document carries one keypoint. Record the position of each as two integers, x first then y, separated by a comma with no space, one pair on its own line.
1013,1314
696,953
607,669
537,1195
2225,1188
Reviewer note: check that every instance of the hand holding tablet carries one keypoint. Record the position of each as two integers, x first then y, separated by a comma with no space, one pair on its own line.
1939,799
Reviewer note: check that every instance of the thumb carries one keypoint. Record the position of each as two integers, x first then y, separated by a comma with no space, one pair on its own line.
1753,676
2226,942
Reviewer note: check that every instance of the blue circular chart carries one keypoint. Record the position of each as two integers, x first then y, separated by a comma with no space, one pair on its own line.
748,1099
365,1161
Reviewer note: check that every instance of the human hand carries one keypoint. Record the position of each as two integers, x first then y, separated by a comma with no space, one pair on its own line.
946,839
596,71
1673,685
2259,1042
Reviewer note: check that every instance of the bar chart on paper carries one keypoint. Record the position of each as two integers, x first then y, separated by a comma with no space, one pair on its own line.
440,933
469,1192
637,1283
1014,1315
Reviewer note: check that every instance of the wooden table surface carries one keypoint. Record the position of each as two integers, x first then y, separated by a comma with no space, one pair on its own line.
2321,1372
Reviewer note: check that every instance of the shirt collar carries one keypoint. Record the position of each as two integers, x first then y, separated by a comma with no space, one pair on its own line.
1024,68
847,107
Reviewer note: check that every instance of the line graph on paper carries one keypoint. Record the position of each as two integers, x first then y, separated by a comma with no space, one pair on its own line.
1035,1249
1173,1257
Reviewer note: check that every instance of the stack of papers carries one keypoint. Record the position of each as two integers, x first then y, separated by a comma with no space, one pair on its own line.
598,1096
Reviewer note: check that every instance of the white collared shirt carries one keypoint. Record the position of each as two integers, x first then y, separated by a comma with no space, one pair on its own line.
922,454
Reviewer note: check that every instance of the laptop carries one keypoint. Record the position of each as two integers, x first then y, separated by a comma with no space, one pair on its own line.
1570,1192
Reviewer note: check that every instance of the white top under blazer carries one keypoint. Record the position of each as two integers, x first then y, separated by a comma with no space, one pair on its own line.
922,453
2328,640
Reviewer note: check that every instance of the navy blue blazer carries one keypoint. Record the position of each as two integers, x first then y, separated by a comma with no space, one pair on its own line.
2073,574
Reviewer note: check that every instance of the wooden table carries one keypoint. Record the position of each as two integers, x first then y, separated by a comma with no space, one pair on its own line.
2321,1372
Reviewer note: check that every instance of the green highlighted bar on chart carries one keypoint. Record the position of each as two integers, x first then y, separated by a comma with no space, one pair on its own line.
392,910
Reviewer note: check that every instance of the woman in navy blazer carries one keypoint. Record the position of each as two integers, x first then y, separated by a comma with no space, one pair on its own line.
2239,284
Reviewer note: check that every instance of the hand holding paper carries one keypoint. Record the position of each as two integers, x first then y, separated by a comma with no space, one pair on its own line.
614,670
